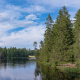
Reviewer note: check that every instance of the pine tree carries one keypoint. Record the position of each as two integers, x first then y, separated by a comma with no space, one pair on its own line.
63,36
77,35
47,45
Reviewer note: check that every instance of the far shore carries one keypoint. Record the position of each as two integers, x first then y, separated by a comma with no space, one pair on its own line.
31,56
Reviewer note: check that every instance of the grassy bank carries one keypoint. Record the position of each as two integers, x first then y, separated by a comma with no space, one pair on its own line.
31,56
69,70
66,69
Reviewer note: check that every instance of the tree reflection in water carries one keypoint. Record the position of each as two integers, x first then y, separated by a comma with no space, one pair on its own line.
47,73
37,71
13,63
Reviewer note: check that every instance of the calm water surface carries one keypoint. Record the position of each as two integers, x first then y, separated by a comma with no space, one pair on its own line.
30,70
17,69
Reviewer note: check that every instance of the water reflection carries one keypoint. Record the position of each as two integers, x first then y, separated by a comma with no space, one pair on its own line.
47,73
37,72
16,63
17,69
30,70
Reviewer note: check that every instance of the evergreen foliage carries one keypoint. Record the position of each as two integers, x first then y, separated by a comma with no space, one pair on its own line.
58,39
77,35
64,37
15,53
37,53
47,45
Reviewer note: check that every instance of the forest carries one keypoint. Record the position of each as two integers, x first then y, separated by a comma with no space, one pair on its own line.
9,53
61,42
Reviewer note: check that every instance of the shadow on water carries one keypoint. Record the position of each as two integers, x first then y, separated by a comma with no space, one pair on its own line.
47,73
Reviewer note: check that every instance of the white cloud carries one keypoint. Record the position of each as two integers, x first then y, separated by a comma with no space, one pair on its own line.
24,37
31,17
10,20
36,8
22,23
30,9
56,3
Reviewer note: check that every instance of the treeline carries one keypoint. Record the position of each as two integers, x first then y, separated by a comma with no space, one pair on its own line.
15,53
61,39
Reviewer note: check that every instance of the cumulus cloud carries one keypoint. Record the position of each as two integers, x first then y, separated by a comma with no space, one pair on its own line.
24,37
10,20
31,17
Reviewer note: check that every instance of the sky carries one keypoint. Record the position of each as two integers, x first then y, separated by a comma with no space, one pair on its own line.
23,21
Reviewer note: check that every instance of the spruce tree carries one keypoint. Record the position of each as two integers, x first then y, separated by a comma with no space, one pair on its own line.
77,35
63,36
47,45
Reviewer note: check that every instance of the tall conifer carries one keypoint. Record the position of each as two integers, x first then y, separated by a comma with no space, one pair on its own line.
77,35
47,46
63,36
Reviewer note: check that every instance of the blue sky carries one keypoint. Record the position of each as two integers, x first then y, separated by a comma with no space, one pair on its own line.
22,21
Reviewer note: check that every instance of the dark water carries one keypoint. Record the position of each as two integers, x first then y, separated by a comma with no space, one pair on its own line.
30,70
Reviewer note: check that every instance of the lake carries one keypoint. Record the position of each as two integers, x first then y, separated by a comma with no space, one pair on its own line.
30,70
17,69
